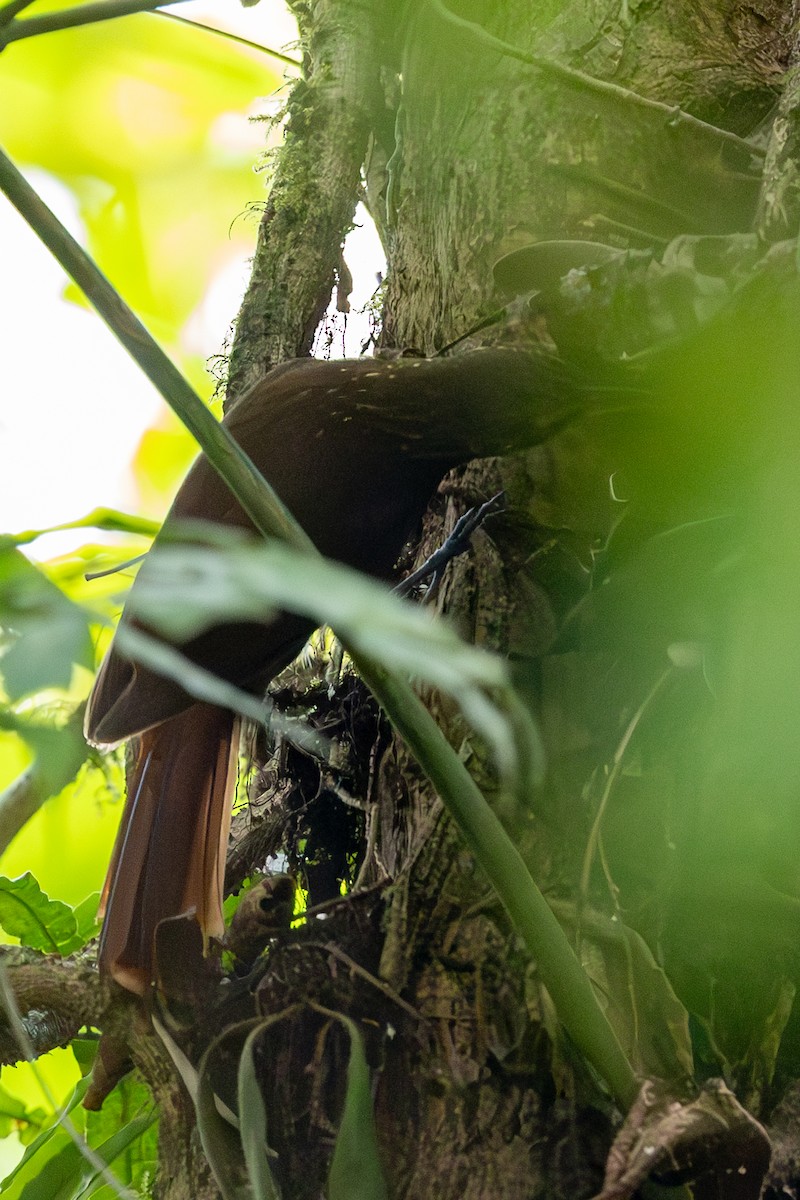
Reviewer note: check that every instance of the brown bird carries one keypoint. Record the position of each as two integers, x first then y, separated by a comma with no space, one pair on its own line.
354,449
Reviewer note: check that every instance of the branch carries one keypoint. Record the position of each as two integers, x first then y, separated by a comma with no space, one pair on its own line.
29,791
18,802
83,14
55,998
10,10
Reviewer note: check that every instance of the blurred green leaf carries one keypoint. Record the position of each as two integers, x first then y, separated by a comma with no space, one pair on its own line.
87,921
58,1178
59,751
183,589
650,1022
16,1116
46,1148
68,1175
134,115
84,1050
108,519
45,632
81,821
204,685
53,1167
128,1134
253,1123
39,922
131,1099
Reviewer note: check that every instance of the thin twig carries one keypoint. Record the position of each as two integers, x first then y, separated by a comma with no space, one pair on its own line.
231,37
361,972
18,802
10,10
613,775
82,14
14,1019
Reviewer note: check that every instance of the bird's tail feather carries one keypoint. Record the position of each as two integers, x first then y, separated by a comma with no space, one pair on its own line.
169,856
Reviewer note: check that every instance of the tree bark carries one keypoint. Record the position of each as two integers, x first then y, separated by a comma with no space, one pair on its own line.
482,128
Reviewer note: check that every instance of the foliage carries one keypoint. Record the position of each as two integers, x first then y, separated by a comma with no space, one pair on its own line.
684,579
122,1135
132,116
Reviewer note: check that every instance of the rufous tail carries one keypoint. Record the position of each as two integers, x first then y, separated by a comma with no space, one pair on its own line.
169,855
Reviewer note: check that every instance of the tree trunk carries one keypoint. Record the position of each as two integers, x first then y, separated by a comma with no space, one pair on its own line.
483,128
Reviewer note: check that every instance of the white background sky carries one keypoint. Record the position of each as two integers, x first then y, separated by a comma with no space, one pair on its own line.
68,434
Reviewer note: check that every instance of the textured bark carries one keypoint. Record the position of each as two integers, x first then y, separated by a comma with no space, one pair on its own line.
470,151
496,153
313,193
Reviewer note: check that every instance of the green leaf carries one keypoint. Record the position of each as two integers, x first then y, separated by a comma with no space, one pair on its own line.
109,519
58,1177
253,1123
86,919
221,1142
356,1172
45,633
47,1147
204,685
39,922
91,1179
184,589
17,1117
84,1050
130,1100
156,95
54,1168
68,1175
648,1018
59,750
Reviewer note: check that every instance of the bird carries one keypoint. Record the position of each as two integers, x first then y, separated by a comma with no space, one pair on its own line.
354,449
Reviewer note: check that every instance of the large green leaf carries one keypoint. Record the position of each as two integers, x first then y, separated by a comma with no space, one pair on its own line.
221,1142
47,1146
55,1168
185,589
39,922
45,633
